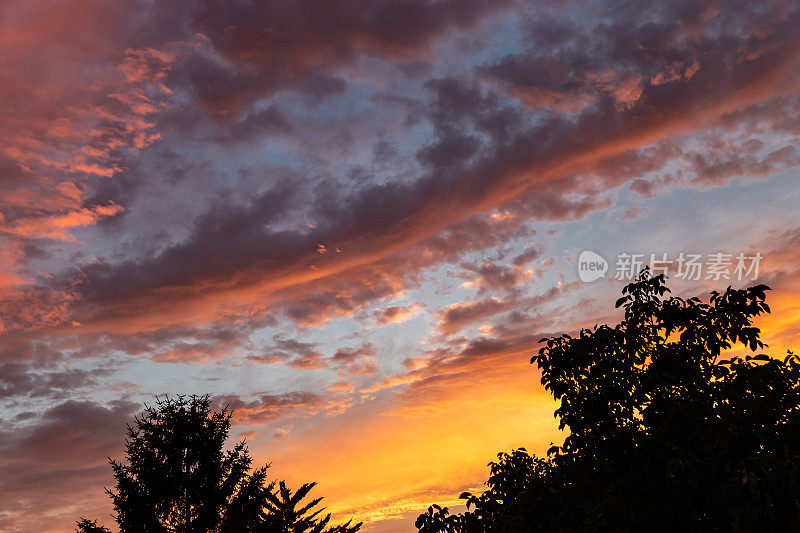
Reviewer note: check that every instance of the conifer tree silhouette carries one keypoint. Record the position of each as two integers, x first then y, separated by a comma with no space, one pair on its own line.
90,526
177,478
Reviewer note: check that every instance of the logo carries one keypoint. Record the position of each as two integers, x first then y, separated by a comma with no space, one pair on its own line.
591,266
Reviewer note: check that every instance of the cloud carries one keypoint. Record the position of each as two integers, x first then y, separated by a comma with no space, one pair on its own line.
356,361
396,313
460,361
20,380
295,353
60,457
55,227
457,316
230,250
274,46
272,407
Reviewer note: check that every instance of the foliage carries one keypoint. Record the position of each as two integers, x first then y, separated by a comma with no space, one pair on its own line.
663,434
179,479
90,526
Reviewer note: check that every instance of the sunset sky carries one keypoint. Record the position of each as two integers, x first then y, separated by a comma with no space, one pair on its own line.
353,220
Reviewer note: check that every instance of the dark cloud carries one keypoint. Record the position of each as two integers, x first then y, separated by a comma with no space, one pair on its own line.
232,238
274,45
483,154
61,458
356,361
270,407
18,381
532,253
224,239
295,353
458,316
346,362
258,123
454,318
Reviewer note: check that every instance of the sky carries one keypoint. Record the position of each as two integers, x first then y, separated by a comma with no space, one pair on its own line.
353,221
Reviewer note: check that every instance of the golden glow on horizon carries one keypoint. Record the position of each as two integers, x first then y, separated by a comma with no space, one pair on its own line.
400,461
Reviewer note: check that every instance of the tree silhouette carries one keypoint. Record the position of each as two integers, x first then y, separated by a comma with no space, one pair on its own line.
663,433
91,526
179,479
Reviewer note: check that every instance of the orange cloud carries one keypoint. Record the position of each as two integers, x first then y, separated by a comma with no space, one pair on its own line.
57,226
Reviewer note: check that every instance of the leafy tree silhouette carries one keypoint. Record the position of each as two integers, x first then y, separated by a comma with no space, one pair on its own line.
663,435
179,479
